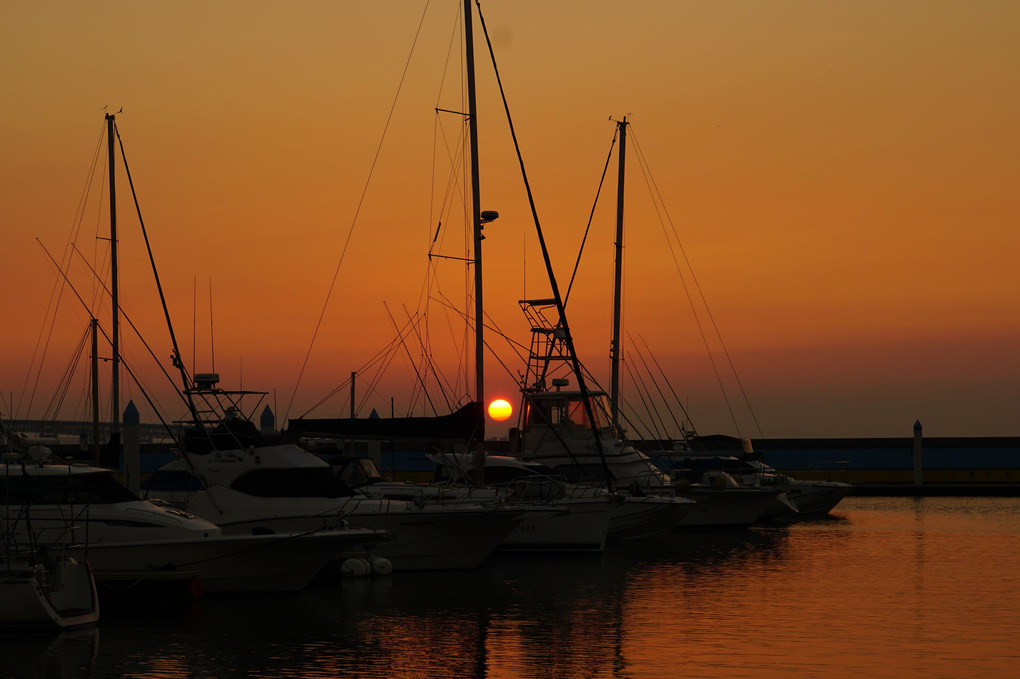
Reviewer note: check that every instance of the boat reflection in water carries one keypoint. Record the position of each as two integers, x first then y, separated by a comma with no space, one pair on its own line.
67,654
519,615
887,587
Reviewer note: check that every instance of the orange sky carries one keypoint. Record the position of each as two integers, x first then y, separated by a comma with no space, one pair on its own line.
842,177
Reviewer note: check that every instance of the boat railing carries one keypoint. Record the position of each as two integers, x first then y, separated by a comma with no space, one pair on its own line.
539,487
32,545
530,489
418,495
651,482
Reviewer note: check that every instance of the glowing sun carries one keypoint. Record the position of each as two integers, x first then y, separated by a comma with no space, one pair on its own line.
500,409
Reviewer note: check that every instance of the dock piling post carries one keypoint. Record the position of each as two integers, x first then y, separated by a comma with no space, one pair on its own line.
918,456
132,456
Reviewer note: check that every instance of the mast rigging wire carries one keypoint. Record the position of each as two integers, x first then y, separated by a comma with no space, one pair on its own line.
64,384
357,212
56,294
176,357
687,415
377,357
660,205
127,367
567,338
662,397
124,314
591,215
445,388
642,390
417,373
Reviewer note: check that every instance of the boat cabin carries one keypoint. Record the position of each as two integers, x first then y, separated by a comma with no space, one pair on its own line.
561,409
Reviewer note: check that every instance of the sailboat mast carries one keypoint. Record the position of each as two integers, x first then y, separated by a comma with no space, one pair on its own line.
476,218
114,287
95,390
614,350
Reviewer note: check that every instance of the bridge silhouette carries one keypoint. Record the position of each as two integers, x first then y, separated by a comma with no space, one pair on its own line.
64,431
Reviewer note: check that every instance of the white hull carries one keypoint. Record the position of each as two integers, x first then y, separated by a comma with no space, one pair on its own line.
62,525
647,518
807,497
629,467
582,527
801,498
565,524
228,563
727,507
73,504
441,540
425,538
817,497
64,596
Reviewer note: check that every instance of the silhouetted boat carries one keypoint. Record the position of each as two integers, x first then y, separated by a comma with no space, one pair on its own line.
810,498
42,586
85,510
47,591
556,518
258,483
631,517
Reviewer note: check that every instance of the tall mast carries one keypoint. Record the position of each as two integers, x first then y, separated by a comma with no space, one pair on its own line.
114,287
95,391
614,349
476,218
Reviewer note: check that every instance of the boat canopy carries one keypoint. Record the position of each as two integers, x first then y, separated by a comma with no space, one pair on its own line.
460,425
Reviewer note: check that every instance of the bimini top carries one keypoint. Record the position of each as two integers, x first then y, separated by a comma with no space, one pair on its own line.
460,425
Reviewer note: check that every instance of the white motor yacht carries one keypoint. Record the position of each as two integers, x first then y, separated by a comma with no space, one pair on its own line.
632,516
555,520
281,487
809,498
125,539
812,498
556,432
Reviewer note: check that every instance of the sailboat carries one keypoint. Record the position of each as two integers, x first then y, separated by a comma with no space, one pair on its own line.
262,483
554,521
629,517
61,593
586,517
85,510
43,587
792,497
429,534
564,428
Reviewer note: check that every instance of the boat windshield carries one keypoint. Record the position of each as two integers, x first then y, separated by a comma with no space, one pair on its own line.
581,473
564,411
354,471
291,482
578,415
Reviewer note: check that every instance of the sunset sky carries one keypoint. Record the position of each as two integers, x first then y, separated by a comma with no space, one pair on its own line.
843,178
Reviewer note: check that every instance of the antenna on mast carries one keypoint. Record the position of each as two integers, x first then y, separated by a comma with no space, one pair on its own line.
194,321
212,342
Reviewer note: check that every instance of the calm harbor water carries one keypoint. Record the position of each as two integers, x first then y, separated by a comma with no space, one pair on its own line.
886,587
